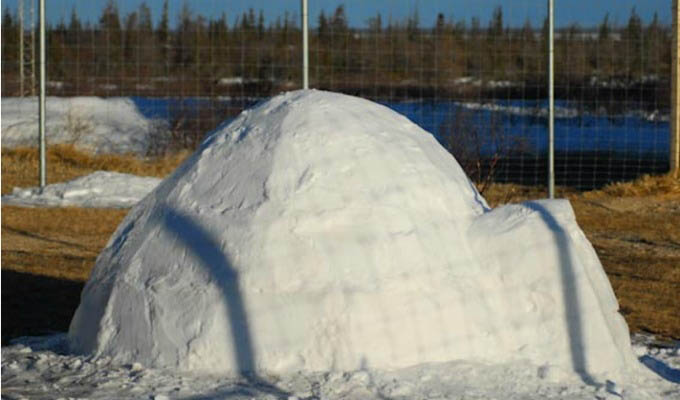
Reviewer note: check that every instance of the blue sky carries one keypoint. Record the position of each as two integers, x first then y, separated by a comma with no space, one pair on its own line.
585,12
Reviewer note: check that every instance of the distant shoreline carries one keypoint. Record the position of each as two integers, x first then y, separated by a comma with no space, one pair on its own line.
606,97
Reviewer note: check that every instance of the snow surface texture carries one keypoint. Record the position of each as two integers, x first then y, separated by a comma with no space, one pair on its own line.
99,189
111,125
323,232
38,369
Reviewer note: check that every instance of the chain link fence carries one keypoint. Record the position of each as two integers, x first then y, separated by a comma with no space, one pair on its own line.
476,82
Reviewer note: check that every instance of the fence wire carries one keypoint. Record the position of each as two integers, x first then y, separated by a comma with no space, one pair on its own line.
479,84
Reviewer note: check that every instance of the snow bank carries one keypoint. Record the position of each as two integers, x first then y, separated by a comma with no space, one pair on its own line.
99,189
322,232
112,125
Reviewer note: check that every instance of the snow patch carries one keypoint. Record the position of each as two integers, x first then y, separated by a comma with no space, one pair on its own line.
101,189
112,125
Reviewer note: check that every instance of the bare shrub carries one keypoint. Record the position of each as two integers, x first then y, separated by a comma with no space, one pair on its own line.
158,138
76,125
187,125
478,145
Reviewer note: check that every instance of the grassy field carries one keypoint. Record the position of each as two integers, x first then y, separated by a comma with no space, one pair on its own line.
47,253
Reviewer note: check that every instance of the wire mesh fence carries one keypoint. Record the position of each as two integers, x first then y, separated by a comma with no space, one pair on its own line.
478,83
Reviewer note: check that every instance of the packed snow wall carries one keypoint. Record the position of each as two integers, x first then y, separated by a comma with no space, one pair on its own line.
320,231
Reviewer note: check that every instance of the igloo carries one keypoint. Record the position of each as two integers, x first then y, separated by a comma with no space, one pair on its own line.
321,232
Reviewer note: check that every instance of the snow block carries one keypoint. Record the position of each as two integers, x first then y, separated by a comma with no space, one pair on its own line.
319,232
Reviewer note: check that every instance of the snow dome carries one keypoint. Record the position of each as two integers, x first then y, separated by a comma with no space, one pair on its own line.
320,232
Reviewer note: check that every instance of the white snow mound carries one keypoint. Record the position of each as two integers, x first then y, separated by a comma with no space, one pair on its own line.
319,232
98,189
112,125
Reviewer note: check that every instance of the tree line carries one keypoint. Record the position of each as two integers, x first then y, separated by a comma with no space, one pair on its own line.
196,55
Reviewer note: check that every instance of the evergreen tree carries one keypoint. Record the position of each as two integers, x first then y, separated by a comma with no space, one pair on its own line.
526,35
413,25
653,46
632,37
145,25
10,41
545,35
219,40
339,21
56,38
375,29
323,55
244,24
286,27
323,27
495,31
251,19
131,37
475,28
573,32
604,30
260,26
460,28
441,52
440,25
221,32
495,46
340,38
8,24
605,49
475,62
74,28
375,23
145,41
184,42
163,33
109,39
526,55
573,48
109,20
201,53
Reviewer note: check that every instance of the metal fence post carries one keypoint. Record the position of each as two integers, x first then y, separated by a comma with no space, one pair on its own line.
675,96
42,95
551,100
305,46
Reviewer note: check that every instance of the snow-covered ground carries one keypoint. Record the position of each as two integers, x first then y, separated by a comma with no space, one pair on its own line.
112,125
100,189
39,368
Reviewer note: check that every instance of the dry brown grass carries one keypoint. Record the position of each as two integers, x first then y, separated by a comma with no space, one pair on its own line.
56,242
65,162
506,193
47,253
647,185
638,242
